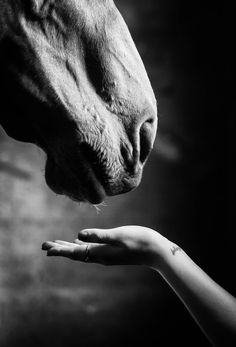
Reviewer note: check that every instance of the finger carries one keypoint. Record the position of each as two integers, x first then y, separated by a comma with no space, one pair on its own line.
64,243
76,252
100,236
91,253
47,245
79,242
83,243
100,254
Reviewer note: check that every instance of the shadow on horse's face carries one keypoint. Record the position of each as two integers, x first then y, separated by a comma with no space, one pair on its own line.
75,85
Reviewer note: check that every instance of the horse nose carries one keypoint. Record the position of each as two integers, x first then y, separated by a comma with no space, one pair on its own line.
141,140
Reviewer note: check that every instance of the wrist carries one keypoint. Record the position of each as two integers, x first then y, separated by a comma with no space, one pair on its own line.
164,255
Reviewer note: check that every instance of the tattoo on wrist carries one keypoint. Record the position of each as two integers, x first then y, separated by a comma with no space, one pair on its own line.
175,249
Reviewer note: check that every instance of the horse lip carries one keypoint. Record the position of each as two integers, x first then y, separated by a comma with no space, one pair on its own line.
84,184
95,192
89,180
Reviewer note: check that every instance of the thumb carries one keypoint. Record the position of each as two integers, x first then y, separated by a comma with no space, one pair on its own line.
102,236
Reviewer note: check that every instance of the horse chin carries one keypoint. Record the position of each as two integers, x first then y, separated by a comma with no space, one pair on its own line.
80,186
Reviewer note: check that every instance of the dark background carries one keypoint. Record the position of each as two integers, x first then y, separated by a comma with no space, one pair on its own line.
187,193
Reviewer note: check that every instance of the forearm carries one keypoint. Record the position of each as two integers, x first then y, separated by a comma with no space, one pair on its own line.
213,308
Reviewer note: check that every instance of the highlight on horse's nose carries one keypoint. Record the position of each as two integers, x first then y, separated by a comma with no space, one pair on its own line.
147,135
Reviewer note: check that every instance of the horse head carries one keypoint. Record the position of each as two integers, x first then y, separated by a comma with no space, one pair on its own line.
74,84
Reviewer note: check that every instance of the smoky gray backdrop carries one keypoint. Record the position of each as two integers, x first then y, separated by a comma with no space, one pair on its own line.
187,193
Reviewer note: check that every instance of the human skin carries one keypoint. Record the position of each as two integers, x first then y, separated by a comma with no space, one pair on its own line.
212,307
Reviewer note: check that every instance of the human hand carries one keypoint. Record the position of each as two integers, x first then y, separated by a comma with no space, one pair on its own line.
128,245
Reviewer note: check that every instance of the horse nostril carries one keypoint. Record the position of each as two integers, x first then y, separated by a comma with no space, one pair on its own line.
146,139
136,151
